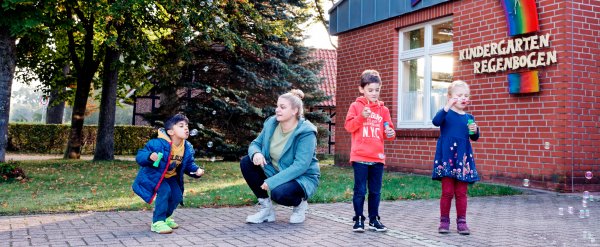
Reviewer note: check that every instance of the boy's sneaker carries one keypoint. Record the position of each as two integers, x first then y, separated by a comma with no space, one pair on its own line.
161,227
171,223
359,224
375,224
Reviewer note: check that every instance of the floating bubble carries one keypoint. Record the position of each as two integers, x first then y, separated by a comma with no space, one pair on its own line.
589,175
208,89
587,213
194,132
212,159
581,214
570,210
561,211
591,198
209,144
205,68
201,126
584,203
586,194
526,182
214,112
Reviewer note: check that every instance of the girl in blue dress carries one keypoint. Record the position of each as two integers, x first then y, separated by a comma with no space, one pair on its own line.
454,164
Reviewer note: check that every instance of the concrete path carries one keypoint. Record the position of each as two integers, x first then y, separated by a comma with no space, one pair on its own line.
526,220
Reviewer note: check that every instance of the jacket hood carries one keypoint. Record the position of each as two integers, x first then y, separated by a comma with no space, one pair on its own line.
162,134
368,103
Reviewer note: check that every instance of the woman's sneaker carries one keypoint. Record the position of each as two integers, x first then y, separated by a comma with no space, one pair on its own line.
265,213
299,213
359,224
375,224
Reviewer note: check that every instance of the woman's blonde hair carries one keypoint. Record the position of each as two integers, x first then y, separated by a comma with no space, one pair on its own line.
295,97
457,83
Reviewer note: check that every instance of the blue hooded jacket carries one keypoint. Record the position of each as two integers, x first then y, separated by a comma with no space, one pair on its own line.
298,160
149,178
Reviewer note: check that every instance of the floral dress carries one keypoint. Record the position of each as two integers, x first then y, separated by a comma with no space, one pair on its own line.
454,154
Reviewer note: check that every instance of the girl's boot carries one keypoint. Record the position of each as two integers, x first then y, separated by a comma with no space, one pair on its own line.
461,226
444,225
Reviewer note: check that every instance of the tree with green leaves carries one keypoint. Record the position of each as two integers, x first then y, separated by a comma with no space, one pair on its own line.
235,58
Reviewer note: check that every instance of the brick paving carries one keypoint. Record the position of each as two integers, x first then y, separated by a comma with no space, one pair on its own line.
525,220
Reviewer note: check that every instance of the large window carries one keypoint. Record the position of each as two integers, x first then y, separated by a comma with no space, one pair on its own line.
425,72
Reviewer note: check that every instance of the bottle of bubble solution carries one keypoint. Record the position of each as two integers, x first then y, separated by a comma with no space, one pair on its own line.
469,122
157,161
385,126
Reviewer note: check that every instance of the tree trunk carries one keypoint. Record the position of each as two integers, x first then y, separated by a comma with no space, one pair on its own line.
79,105
8,59
56,108
105,139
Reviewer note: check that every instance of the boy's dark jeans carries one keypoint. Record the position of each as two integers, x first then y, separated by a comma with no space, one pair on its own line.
287,194
167,199
363,175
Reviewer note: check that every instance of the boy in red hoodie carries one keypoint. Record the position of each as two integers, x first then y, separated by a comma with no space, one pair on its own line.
370,123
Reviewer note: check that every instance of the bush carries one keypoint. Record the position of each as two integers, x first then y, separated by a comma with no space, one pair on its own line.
53,138
9,171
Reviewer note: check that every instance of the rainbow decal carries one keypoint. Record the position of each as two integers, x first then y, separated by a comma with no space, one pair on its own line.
525,82
521,16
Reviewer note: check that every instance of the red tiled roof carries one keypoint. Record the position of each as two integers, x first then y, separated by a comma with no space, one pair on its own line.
329,72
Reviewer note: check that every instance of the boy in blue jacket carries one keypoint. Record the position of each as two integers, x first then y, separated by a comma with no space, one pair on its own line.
162,181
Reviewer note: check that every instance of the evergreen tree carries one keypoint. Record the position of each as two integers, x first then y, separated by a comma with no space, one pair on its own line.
235,59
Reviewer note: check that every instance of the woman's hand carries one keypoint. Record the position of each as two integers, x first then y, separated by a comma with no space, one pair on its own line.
265,186
259,160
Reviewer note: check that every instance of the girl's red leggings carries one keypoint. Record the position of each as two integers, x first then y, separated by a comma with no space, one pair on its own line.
453,188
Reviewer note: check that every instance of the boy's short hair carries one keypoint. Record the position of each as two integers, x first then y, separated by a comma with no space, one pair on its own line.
174,120
369,76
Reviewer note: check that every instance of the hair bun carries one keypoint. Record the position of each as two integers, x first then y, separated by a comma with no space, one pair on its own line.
298,93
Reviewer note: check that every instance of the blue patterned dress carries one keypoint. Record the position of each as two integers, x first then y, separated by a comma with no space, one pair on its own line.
454,154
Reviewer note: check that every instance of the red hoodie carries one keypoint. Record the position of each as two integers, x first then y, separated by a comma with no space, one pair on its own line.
367,133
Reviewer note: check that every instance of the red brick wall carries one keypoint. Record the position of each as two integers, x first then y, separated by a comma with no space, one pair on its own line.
514,127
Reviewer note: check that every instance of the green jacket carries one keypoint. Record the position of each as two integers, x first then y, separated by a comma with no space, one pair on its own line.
298,160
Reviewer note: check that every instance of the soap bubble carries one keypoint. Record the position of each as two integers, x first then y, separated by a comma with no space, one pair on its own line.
586,194
214,112
201,126
209,144
194,132
212,159
570,210
526,182
589,175
205,68
208,89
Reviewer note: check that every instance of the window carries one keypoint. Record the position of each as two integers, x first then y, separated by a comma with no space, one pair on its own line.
426,65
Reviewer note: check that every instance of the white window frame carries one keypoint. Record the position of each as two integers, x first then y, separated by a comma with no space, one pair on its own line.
427,51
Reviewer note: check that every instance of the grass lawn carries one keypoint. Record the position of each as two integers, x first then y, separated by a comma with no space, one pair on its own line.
75,186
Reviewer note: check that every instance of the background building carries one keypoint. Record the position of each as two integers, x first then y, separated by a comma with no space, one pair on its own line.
549,134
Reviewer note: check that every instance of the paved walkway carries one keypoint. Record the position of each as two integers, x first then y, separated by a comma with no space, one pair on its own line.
526,220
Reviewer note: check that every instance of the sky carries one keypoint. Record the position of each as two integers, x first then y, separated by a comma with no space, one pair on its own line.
318,34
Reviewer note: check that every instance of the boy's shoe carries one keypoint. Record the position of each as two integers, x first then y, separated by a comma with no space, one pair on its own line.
161,227
375,224
359,224
461,226
266,212
444,225
171,223
299,213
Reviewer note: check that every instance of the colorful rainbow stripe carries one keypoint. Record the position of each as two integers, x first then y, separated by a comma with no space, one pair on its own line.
524,82
521,16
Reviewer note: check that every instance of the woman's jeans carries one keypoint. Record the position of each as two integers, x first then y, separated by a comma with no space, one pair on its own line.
287,194
167,199
363,175
453,188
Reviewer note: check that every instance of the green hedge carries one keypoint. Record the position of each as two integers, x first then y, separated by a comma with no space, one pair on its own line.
53,138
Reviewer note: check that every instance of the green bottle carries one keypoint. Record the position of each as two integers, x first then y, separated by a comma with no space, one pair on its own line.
469,122
157,162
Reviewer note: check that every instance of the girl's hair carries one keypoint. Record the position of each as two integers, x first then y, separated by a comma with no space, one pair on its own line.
369,76
295,97
457,83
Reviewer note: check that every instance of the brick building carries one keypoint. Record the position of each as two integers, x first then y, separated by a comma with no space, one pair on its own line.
533,69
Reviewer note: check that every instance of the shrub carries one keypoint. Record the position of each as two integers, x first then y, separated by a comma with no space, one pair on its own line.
53,138
9,171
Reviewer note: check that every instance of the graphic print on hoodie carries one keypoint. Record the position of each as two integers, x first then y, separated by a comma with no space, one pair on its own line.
367,133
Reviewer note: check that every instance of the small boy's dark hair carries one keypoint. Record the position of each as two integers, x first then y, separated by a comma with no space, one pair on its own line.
174,120
369,76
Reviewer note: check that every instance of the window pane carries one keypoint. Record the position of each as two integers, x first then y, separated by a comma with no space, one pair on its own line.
442,33
414,39
441,77
412,90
